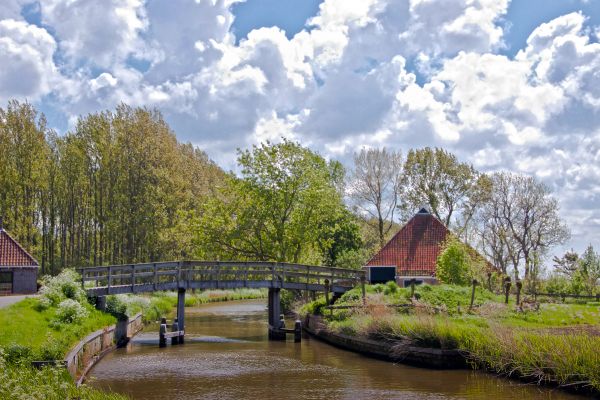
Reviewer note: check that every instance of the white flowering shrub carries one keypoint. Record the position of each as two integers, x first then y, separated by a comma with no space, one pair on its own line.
70,311
58,288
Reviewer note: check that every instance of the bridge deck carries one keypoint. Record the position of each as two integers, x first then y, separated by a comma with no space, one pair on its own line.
173,275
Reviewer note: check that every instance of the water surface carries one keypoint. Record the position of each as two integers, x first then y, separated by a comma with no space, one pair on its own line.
227,356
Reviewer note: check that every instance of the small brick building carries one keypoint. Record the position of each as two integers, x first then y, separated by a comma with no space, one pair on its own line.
412,253
18,269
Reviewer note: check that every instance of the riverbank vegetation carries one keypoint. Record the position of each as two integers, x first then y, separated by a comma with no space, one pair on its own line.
161,304
555,343
45,329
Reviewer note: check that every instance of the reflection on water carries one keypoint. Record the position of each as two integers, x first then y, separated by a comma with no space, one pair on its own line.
227,356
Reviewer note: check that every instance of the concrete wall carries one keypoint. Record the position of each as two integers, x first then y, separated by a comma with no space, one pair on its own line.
404,281
24,279
91,349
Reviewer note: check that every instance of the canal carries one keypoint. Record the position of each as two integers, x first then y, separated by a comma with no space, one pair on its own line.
227,356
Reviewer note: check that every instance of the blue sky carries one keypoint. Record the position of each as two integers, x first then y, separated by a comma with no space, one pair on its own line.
367,73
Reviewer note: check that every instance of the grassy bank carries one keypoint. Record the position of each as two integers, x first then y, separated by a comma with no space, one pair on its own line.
159,304
46,328
556,343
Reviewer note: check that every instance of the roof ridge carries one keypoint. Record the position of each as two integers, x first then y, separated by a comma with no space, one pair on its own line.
31,258
403,227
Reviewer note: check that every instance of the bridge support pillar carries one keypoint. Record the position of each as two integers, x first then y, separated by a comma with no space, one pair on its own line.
101,303
181,312
274,311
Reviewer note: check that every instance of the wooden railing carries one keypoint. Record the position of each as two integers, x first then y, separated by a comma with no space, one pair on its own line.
147,277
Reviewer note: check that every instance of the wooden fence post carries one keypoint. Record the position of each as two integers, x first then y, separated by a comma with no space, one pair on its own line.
364,291
519,287
473,293
507,286
162,340
297,331
175,328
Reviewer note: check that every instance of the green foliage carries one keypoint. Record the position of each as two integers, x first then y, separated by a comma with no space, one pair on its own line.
64,286
117,307
287,206
454,264
118,188
69,311
43,330
160,304
22,382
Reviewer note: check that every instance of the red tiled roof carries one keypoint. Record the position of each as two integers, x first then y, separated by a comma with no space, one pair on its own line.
415,248
12,254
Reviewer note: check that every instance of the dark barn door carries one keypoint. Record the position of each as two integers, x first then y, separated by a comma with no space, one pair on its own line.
6,282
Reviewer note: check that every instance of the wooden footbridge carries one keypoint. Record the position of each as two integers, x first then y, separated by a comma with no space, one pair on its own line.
182,275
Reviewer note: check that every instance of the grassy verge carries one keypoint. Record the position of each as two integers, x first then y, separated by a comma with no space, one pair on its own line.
46,328
160,304
556,343
20,382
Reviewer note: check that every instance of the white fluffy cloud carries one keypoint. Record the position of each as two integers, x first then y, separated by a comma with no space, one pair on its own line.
396,73
28,69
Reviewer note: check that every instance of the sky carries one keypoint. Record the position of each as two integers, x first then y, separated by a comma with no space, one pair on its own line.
505,85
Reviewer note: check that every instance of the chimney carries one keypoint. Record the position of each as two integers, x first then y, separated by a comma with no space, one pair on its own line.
1,226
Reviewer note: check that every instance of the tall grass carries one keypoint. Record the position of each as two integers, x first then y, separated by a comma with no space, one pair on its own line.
556,344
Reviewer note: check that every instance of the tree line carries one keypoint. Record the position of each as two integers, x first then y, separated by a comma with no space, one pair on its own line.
118,188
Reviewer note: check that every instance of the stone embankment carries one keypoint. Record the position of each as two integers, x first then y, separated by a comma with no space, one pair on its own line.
85,354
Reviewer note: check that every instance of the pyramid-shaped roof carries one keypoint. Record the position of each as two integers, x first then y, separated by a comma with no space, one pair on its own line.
415,248
12,254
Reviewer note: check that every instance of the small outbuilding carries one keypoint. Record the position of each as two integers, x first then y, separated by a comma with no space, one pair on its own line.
18,269
411,254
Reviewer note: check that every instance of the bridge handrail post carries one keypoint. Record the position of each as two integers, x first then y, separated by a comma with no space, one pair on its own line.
272,274
109,280
283,268
307,276
132,277
155,276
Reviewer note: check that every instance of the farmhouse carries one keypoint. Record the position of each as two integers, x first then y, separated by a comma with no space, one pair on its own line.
18,269
411,254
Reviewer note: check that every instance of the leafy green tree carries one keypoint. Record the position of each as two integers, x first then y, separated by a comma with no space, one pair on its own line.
340,241
589,270
454,264
280,209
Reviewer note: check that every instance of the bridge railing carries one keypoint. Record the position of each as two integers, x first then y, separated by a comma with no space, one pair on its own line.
169,275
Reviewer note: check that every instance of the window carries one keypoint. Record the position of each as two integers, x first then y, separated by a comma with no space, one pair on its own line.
6,282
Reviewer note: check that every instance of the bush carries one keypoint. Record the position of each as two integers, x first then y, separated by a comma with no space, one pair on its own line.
70,311
454,264
116,307
390,288
61,287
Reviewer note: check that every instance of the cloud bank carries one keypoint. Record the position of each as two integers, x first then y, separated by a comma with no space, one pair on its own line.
393,73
